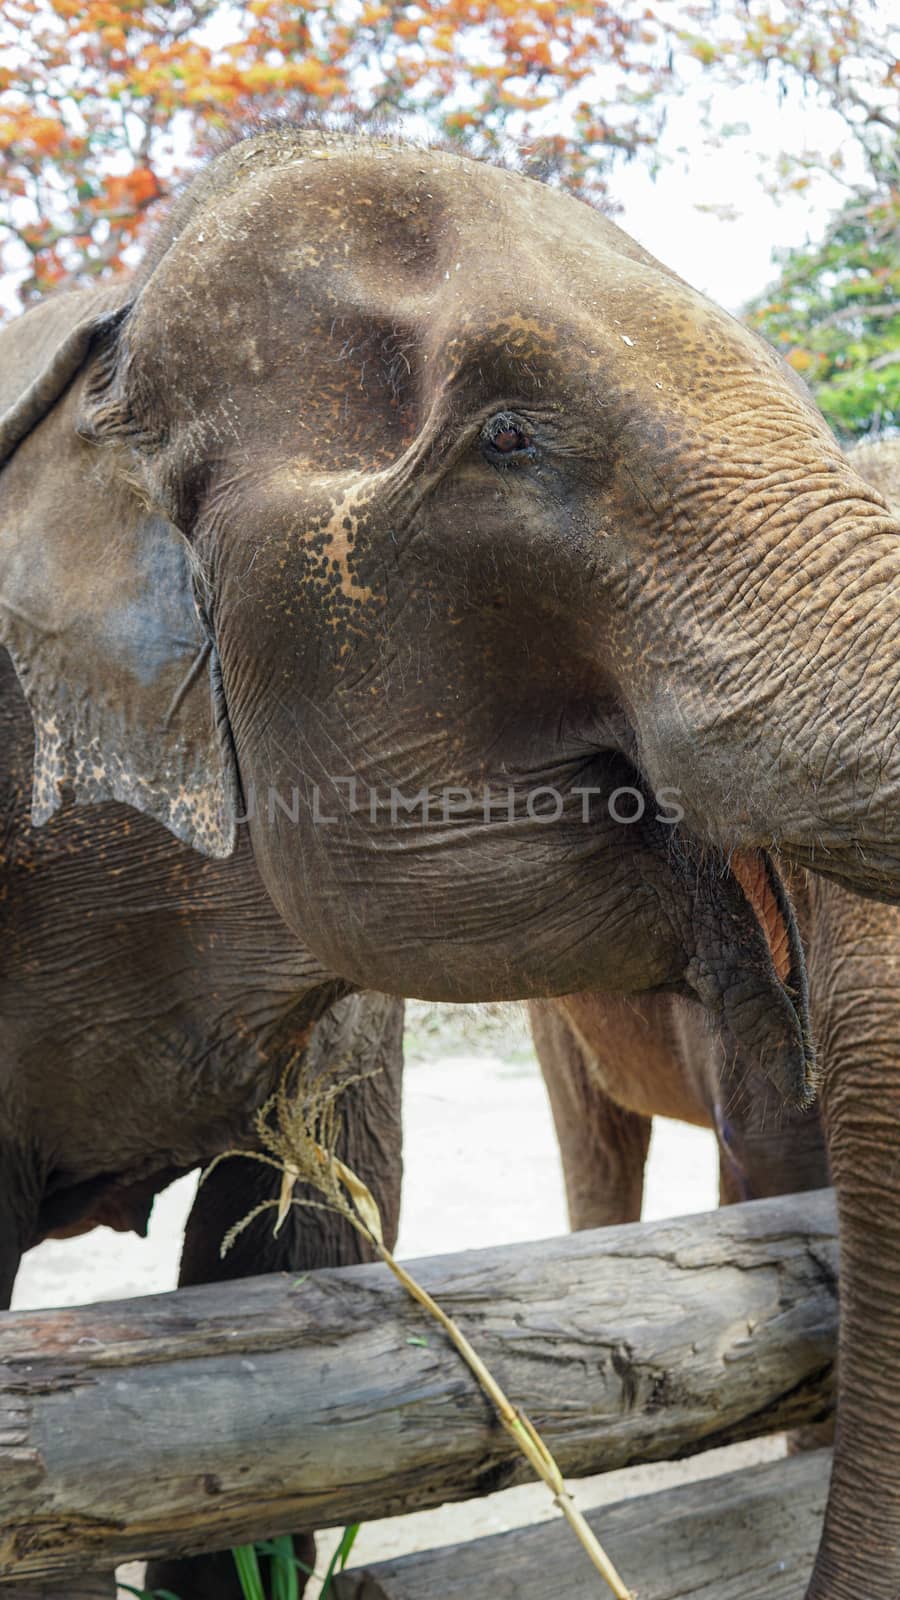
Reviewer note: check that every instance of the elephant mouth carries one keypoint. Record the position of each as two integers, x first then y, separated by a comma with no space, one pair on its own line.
764,891
772,1017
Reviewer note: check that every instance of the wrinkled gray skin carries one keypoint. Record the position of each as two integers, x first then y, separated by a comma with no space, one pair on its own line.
392,467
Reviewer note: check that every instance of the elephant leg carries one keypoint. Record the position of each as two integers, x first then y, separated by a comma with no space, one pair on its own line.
19,1204
15,1203
363,1032
603,1147
766,1149
731,1182
10,1256
789,1158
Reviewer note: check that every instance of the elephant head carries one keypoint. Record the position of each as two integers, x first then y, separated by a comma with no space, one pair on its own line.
394,498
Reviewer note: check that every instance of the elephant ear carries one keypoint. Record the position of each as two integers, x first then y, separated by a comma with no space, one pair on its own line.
97,603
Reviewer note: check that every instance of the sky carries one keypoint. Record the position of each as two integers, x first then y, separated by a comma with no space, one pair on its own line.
729,260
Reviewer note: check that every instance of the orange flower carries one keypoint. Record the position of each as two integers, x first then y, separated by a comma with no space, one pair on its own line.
142,185
308,75
47,133
131,191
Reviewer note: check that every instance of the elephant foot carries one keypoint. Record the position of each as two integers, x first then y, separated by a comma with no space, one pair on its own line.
214,1577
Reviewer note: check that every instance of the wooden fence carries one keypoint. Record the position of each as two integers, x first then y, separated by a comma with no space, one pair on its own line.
194,1420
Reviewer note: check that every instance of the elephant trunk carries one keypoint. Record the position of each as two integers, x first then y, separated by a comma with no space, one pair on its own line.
765,1147
801,641
860,1549
857,947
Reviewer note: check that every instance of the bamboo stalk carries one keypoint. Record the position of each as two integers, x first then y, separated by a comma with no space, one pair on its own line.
362,1213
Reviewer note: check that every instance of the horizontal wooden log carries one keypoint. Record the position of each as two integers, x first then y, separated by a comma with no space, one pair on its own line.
193,1420
748,1535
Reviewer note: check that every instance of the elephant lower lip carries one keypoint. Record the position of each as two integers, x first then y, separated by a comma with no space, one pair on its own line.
762,886
763,890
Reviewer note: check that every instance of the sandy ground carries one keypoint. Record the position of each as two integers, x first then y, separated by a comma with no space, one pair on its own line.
481,1169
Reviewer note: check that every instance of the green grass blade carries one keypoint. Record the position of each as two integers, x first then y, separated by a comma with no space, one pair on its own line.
272,1547
285,1584
348,1539
341,1556
245,1560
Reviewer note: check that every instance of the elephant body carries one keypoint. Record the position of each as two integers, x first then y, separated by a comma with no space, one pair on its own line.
611,1065
358,554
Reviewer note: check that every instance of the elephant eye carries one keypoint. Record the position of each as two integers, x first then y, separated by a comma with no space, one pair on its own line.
505,442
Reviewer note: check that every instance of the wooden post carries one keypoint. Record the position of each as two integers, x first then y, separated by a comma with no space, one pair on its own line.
197,1419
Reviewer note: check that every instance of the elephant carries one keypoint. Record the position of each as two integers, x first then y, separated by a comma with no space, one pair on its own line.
395,520
150,1001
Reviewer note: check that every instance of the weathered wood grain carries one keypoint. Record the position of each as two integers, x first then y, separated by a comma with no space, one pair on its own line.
749,1535
192,1420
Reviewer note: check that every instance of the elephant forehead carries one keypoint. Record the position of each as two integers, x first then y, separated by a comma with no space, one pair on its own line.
407,249
394,218
324,300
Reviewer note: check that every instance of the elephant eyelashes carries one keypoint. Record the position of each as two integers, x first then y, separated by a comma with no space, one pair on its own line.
504,441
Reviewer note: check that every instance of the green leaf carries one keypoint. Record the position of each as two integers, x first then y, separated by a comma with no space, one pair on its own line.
831,313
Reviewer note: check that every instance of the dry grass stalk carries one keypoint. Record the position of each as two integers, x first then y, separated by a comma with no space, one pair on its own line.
299,1131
